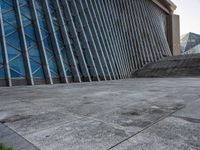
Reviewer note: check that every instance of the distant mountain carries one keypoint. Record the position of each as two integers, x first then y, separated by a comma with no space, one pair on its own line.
190,43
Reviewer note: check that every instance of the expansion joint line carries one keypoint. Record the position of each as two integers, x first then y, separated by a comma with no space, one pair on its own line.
5,126
149,126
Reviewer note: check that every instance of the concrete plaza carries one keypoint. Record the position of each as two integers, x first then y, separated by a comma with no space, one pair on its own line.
132,114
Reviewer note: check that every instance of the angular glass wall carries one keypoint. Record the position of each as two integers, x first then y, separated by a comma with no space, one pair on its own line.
11,35
30,40
2,73
46,39
62,41
190,43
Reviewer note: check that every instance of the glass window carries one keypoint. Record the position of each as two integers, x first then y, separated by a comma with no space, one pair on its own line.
8,28
25,21
38,73
29,42
1,62
30,31
32,45
16,67
13,40
10,18
1,72
12,52
46,40
6,6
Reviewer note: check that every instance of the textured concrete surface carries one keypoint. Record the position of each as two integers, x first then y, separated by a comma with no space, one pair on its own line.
176,66
13,140
141,114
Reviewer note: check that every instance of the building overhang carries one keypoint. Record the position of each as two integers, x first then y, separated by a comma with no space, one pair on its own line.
167,5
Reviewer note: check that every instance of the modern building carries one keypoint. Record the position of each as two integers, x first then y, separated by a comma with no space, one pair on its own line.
63,41
190,43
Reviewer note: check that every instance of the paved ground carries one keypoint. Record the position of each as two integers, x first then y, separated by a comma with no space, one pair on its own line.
135,114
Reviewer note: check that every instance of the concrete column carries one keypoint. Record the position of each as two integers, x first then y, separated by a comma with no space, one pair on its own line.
173,33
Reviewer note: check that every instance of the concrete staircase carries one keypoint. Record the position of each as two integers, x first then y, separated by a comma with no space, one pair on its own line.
175,66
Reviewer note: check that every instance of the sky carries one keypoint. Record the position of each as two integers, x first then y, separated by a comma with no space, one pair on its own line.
189,11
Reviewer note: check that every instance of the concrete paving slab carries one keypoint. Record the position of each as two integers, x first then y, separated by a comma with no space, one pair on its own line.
84,134
30,124
13,140
191,111
100,115
169,134
134,117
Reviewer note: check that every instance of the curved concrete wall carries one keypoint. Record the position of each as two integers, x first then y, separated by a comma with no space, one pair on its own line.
61,41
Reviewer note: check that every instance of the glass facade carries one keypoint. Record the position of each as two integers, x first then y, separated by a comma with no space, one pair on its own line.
61,41
190,43
12,38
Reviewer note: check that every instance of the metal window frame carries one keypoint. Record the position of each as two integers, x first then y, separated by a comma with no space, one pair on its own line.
27,65
39,38
124,48
84,65
99,32
5,54
128,23
112,40
56,48
66,38
96,39
117,40
107,40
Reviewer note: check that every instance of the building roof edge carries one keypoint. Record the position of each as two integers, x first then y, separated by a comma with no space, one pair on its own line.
167,5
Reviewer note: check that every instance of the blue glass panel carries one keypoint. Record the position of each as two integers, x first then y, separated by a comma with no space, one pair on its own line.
54,19
6,6
39,13
1,58
8,28
14,74
38,73
10,2
34,54
30,31
44,33
13,40
1,54
29,42
12,52
53,75
10,18
58,35
43,24
52,65
22,2
1,62
34,66
63,54
17,64
47,43
61,45
38,4
69,74
25,21
46,39
49,54
26,12
2,75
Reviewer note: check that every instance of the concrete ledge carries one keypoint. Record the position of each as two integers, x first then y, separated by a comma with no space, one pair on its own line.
167,5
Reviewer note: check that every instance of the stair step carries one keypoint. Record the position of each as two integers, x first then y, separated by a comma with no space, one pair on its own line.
176,66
